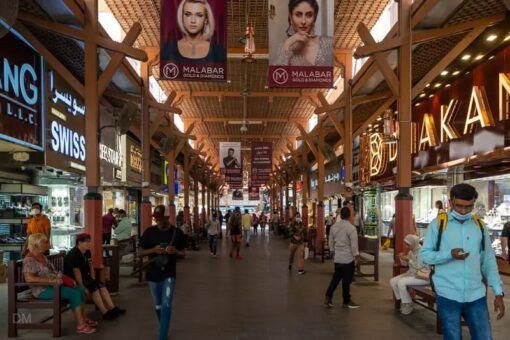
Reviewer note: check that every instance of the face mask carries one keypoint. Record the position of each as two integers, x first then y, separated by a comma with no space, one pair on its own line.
298,219
35,212
460,217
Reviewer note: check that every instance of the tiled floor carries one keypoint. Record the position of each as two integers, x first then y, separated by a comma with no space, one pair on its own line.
257,298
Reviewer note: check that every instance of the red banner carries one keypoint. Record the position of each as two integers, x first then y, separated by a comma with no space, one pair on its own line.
261,162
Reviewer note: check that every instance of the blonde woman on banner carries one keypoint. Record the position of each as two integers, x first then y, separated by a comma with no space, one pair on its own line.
196,23
303,47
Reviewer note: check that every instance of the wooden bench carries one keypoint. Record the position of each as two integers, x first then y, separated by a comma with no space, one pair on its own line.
19,297
369,256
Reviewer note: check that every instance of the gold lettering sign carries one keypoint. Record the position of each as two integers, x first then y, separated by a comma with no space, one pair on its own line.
479,110
504,96
448,132
428,132
136,158
393,151
378,156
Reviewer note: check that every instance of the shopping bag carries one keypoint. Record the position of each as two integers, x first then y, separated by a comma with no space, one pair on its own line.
386,245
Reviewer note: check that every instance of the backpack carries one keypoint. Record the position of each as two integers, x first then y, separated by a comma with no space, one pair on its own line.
442,221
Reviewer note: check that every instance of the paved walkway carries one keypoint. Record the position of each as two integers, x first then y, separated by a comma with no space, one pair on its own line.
257,298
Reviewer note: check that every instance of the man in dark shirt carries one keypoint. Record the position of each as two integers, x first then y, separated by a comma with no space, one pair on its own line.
77,265
235,232
162,243
230,162
505,235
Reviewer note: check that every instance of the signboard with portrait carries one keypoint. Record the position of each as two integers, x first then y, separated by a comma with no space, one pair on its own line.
254,193
193,40
231,163
301,43
261,162
237,195
21,93
65,118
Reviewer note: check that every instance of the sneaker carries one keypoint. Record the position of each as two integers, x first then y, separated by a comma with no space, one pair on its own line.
350,305
213,255
85,329
110,315
247,244
406,308
301,272
238,257
328,302
290,267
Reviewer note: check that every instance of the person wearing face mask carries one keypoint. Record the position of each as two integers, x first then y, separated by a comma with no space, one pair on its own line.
297,233
458,245
38,223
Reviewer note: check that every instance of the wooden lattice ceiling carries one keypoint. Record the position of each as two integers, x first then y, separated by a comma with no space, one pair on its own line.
348,14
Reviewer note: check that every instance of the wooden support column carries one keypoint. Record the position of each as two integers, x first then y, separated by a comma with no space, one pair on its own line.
287,203
145,206
93,201
320,191
196,219
294,197
304,195
282,207
404,200
203,214
171,185
187,217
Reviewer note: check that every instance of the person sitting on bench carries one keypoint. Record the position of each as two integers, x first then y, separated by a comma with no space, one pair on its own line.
399,283
37,269
78,266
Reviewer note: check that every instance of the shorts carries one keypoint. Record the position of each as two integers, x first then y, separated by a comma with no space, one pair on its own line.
236,238
93,285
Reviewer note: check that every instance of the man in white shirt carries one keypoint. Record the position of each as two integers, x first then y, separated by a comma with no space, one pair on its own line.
343,240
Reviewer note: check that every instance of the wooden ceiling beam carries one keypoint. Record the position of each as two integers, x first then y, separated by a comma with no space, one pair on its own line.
77,11
289,94
242,136
248,119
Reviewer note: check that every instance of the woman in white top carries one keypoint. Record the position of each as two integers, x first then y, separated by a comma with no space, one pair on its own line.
413,261
212,233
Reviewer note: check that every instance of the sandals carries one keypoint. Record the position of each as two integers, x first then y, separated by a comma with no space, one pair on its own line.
91,323
85,329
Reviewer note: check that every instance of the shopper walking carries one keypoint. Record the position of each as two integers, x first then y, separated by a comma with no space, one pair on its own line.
297,233
220,219
275,222
212,233
227,220
254,223
246,221
109,222
458,245
262,222
162,243
413,261
343,241
234,225
330,220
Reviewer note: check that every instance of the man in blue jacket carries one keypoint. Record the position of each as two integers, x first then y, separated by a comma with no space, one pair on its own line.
462,258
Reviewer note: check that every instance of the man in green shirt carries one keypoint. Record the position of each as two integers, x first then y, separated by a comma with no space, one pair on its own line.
123,230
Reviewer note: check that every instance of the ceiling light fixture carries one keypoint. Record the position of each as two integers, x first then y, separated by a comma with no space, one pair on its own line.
466,57
507,38
423,95
447,85
417,104
491,57
437,85
492,37
444,73
455,73
478,57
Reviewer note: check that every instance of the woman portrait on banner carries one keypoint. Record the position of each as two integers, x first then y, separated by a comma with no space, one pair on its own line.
303,47
195,20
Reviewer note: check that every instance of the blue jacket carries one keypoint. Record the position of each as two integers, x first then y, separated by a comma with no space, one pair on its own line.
456,279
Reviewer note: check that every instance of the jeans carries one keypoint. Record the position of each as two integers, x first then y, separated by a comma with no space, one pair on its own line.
343,272
399,285
246,235
162,294
107,239
476,315
213,242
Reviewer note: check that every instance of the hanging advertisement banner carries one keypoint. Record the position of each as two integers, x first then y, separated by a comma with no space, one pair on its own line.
261,162
237,195
301,43
21,93
254,193
193,40
231,163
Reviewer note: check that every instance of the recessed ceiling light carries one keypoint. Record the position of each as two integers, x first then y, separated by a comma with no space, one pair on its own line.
428,85
444,73
467,73
369,125
422,95
379,119
417,104
447,85
437,85
491,57
431,96
507,38
478,57
492,37
466,57
455,73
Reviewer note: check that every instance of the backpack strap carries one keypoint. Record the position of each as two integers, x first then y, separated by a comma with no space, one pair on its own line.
480,225
442,220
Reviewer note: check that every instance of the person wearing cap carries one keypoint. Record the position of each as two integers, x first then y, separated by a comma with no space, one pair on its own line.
464,267
78,266
162,243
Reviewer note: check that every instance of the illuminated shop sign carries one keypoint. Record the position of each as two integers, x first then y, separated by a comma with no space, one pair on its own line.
135,160
110,156
67,141
21,88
